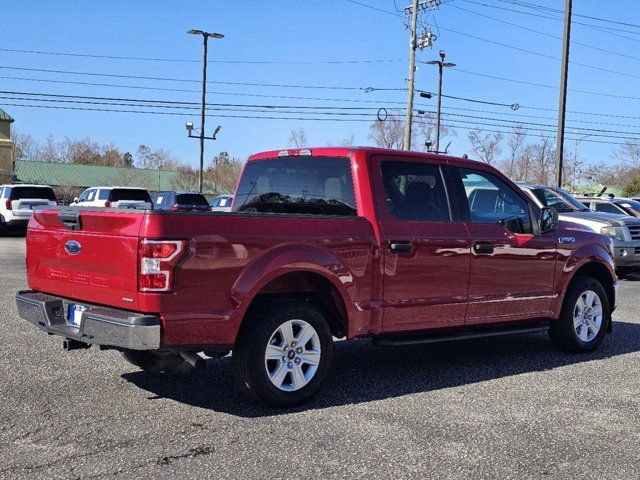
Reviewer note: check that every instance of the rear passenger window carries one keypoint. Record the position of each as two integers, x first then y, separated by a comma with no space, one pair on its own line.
415,191
493,201
103,194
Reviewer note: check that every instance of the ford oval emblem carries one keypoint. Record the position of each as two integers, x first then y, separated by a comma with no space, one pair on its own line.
72,247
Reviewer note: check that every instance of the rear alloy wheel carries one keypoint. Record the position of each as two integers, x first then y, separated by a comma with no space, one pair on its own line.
583,320
283,352
292,355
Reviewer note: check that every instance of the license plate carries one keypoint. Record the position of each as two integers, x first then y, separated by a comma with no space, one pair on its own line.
75,314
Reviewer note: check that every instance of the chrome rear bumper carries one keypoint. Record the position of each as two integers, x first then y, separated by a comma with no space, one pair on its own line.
99,325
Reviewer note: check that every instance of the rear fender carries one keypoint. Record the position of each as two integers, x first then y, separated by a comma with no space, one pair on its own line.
288,259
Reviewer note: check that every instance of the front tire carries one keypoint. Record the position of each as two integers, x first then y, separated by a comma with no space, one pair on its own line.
584,317
283,352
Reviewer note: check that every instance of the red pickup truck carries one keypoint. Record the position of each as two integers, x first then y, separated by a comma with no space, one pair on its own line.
402,247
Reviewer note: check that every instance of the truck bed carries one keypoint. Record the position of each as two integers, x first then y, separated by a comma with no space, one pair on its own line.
229,258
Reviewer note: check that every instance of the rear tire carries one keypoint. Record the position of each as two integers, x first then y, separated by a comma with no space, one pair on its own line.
283,352
584,318
153,362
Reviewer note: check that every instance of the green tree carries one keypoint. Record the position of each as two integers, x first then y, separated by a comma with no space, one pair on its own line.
127,160
632,188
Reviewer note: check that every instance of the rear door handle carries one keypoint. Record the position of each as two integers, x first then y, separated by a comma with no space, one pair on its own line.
483,247
400,246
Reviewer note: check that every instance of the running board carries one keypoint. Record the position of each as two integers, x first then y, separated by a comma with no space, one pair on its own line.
463,333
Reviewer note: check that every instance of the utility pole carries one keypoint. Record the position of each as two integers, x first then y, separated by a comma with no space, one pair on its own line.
205,36
412,71
441,65
562,107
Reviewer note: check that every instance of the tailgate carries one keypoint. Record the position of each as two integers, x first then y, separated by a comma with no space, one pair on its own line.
24,206
96,262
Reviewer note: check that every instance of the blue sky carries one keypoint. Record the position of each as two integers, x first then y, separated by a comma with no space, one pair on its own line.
311,33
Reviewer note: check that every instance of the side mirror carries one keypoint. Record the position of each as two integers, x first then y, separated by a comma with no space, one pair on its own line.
548,219
75,199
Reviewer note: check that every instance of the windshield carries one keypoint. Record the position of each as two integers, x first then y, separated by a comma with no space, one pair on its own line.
45,193
631,206
302,185
118,194
192,199
558,199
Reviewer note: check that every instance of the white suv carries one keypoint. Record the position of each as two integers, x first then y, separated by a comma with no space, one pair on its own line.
18,201
115,197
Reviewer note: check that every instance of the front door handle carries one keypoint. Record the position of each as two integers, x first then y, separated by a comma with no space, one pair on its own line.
483,247
400,246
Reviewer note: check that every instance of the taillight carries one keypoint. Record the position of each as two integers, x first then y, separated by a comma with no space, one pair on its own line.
9,204
157,262
107,203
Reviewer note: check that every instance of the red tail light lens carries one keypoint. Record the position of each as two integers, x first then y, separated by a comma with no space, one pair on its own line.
157,262
9,204
107,203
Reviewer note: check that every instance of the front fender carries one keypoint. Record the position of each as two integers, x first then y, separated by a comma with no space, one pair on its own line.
571,261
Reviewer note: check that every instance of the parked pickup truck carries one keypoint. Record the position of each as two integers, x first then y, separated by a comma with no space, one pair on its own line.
624,230
401,247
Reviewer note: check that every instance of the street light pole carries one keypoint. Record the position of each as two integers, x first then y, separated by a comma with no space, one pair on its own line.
441,65
202,116
205,36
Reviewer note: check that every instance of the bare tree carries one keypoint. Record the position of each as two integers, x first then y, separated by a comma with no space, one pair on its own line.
224,171
131,177
485,146
348,141
388,133
543,161
516,145
25,147
427,131
187,179
298,138
628,153
156,159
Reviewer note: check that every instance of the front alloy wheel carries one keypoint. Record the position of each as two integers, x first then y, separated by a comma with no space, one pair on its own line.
587,316
583,320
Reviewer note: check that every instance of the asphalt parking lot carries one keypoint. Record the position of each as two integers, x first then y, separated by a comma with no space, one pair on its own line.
501,408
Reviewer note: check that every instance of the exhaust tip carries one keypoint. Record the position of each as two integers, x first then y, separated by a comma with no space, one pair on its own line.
193,359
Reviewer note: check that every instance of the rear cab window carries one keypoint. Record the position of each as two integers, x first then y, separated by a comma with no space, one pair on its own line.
139,195
297,185
415,191
191,199
41,193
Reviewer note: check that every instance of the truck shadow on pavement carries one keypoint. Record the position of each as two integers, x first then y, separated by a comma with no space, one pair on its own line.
364,373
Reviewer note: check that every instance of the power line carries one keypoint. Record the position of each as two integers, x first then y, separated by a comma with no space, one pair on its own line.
169,79
243,108
512,47
602,29
458,124
239,62
554,10
539,32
